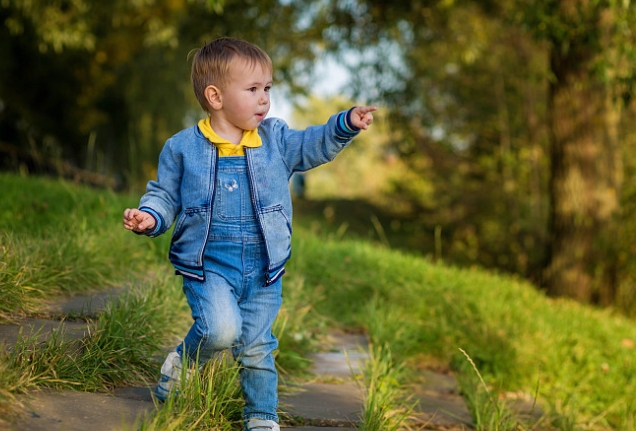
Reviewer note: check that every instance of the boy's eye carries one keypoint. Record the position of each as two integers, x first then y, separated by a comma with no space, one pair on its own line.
252,89
268,88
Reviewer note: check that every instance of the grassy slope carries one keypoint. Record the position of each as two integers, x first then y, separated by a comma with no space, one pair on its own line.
59,239
56,237
582,359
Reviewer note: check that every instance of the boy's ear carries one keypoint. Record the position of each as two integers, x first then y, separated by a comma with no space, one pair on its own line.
213,97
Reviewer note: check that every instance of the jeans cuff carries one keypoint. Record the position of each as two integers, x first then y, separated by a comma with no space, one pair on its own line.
262,416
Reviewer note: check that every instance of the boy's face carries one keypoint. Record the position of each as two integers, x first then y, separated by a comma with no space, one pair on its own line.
245,98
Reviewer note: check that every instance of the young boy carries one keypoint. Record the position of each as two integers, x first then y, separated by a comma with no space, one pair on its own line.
225,182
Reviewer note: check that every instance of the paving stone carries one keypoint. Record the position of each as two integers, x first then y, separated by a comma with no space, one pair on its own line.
325,404
319,428
88,304
139,394
441,410
40,330
524,405
331,404
339,364
439,404
70,411
346,358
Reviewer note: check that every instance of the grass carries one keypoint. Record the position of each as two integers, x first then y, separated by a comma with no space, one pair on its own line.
386,407
115,351
576,362
210,399
581,358
59,239
488,411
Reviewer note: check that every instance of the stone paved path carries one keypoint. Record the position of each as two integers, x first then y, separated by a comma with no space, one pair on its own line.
333,401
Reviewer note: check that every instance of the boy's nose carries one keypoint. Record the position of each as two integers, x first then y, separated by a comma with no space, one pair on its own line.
264,99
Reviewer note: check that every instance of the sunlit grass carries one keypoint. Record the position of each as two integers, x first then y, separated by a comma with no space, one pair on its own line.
116,349
33,269
489,412
386,405
581,359
210,399
56,238
577,362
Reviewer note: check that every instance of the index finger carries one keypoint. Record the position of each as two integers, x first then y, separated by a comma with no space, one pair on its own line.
367,109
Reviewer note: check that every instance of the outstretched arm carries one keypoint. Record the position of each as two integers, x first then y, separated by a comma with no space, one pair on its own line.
305,149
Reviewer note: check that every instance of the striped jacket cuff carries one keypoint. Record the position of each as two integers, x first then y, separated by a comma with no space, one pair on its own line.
344,128
158,220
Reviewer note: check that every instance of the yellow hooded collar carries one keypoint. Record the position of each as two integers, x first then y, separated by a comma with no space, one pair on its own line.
226,148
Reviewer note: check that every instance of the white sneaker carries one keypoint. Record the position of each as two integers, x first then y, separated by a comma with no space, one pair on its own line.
170,376
255,424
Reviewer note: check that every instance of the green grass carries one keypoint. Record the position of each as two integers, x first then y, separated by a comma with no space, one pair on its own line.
210,399
115,351
386,406
56,238
499,334
581,358
489,412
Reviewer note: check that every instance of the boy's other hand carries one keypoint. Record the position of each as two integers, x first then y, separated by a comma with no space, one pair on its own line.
362,117
138,221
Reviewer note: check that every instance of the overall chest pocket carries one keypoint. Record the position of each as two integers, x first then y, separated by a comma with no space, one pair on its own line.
233,200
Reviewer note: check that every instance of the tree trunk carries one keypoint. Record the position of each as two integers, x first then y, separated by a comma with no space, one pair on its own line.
585,178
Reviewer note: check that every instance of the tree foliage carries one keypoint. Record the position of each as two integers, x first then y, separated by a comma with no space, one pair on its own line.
477,95
482,92
103,84
464,90
589,45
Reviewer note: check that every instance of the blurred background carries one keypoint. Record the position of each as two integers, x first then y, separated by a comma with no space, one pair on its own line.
505,139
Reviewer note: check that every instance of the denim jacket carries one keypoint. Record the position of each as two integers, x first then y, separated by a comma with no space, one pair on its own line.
186,178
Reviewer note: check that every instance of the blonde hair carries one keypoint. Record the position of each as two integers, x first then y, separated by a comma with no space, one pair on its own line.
211,63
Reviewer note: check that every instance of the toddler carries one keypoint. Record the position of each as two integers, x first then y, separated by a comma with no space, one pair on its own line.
224,183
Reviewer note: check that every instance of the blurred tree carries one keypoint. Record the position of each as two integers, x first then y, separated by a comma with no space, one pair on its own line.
625,243
463,90
511,111
66,89
103,84
590,46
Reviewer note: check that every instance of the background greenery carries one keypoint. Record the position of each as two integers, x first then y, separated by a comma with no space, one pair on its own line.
507,137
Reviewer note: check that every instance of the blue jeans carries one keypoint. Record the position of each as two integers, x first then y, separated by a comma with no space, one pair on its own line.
232,308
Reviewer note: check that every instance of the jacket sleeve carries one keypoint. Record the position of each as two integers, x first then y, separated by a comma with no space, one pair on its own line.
316,145
162,198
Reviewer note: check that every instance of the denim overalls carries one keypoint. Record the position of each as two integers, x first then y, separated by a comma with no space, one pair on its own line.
232,308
